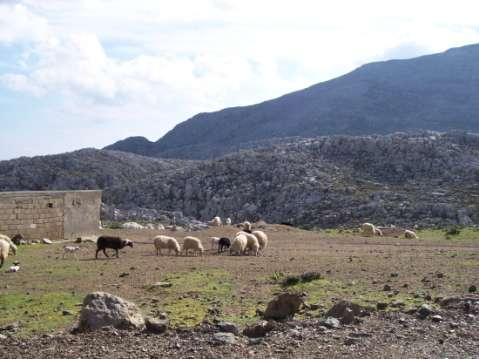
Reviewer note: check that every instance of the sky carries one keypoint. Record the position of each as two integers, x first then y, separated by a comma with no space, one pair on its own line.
87,73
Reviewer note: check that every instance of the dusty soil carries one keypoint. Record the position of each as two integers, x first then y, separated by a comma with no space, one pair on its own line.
222,287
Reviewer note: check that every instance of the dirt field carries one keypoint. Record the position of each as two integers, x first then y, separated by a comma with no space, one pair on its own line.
43,296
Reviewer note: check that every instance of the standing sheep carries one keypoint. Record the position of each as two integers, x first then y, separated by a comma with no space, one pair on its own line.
215,222
214,241
169,243
223,243
252,245
238,245
70,250
368,229
5,246
194,244
228,221
116,243
262,239
246,226
410,234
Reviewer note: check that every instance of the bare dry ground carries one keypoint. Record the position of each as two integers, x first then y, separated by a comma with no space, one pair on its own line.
43,296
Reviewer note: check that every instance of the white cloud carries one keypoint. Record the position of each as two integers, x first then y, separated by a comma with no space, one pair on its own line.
161,61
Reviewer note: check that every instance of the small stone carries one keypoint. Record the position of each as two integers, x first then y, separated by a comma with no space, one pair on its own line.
255,341
440,275
227,327
156,325
161,285
436,318
46,241
331,323
394,275
381,305
124,274
424,311
351,341
472,289
224,338
3,337
67,312
386,288
259,329
314,306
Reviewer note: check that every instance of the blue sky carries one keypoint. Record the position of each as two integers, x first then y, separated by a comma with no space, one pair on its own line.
86,73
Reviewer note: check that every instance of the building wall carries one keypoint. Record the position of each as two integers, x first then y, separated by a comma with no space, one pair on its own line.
81,213
49,214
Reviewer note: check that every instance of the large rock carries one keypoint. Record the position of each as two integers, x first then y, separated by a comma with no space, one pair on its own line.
346,311
102,309
259,329
283,306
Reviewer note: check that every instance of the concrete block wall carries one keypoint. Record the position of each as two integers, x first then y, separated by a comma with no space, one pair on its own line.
38,215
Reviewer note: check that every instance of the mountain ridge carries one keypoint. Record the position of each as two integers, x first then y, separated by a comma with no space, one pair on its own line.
431,92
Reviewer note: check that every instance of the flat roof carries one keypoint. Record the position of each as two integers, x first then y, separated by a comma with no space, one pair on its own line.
42,193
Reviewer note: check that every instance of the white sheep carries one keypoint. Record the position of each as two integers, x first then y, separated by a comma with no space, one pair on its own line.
70,250
368,229
239,243
262,239
214,242
410,234
228,221
252,245
378,232
13,269
246,226
132,225
194,244
169,243
5,246
215,222
161,227
150,226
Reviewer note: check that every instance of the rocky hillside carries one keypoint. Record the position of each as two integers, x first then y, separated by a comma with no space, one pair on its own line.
427,179
84,169
435,92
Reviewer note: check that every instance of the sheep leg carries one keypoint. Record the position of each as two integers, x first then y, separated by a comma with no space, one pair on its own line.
104,252
96,254
117,253
1,261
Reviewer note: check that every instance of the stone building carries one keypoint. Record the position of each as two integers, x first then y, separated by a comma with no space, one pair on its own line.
50,214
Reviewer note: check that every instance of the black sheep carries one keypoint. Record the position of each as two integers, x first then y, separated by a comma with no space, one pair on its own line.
223,243
115,243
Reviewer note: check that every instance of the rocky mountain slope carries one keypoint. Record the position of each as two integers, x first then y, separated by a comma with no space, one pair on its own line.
426,179
434,92
83,169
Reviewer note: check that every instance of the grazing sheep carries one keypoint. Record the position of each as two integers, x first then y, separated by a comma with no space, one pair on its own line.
410,234
169,243
368,229
252,245
116,243
5,246
215,222
238,245
70,250
378,232
194,244
223,243
132,225
18,239
214,241
245,226
228,221
262,239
